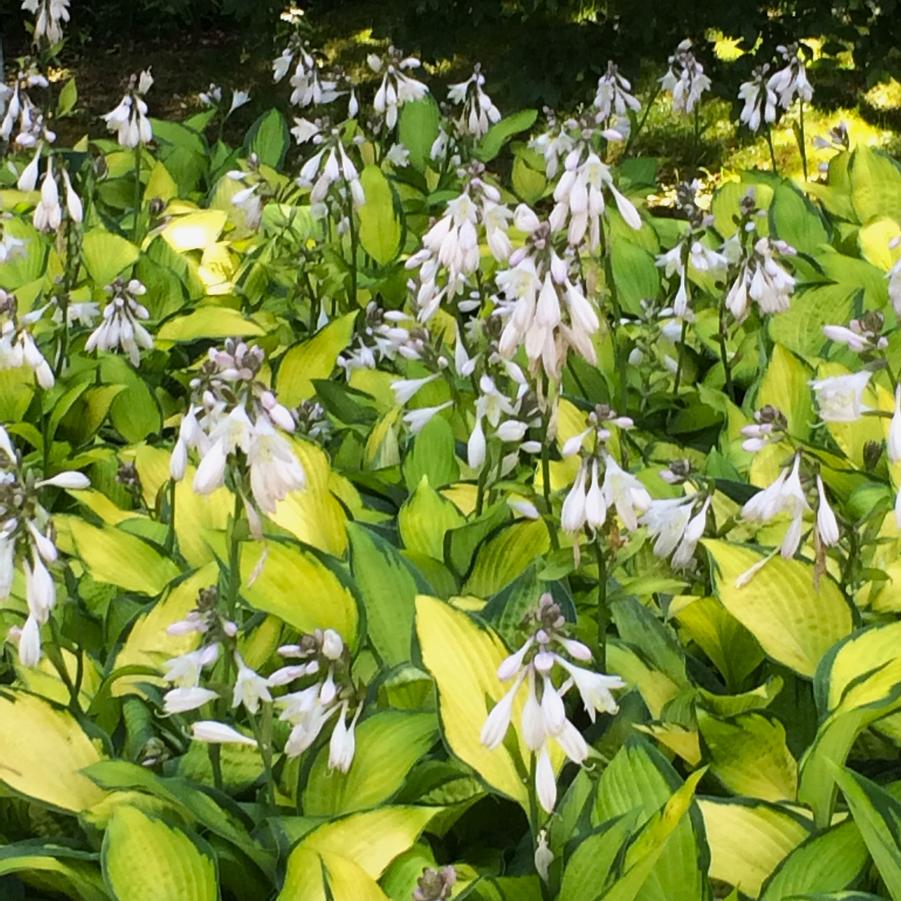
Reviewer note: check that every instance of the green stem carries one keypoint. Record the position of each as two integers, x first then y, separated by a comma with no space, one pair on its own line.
136,228
603,609
633,136
769,141
679,361
802,144
696,151
234,561
546,481
263,734
352,232
724,354
215,753
55,655
170,534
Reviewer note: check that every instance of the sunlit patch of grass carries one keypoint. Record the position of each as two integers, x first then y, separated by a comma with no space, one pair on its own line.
884,96
725,48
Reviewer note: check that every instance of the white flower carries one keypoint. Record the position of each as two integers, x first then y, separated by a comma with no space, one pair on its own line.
685,79
250,687
49,16
593,688
405,389
623,491
572,515
342,743
759,99
219,733
129,119
827,525
181,700
71,481
612,96
40,591
478,111
275,471
120,327
239,99
48,214
666,520
397,87
840,398
417,420
790,81
30,642
476,446
784,495
184,671
545,781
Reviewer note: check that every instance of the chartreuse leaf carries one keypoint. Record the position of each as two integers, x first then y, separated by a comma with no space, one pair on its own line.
865,687
732,648
748,839
269,138
312,359
417,128
208,323
148,642
826,861
114,556
380,228
388,745
388,590
505,555
295,586
639,780
875,185
463,660
749,756
195,230
424,519
794,621
313,514
786,386
646,850
105,255
56,868
432,456
494,139
794,219
43,751
145,859
370,840
325,876
878,816
195,515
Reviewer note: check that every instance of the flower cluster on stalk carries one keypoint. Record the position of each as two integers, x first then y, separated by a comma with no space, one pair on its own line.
26,540
238,427
120,327
49,17
129,119
685,79
548,651
17,345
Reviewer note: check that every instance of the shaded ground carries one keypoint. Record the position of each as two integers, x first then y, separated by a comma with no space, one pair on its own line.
185,63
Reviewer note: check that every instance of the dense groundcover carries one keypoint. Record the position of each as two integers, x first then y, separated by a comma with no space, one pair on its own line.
419,501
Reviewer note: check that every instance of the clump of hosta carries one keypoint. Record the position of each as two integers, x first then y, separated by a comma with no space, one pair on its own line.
129,119
542,302
685,79
17,345
26,540
546,653
239,429
49,17
397,86
450,253
120,328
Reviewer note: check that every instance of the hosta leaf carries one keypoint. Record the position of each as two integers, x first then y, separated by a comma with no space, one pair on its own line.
146,858
43,750
424,518
380,228
371,840
748,839
463,660
388,745
826,861
194,231
312,359
148,642
295,586
867,686
105,255
501,132
749,756
57,867
875,185
388,589
647,849
794,622
326,876
417,128
505,555
209,322
785,385
639,778
269,138
587,867
878,816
